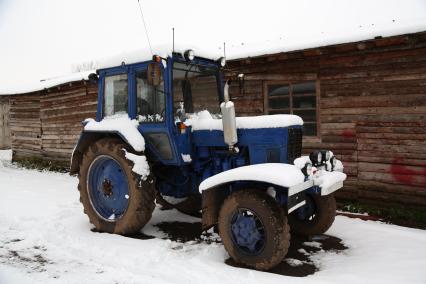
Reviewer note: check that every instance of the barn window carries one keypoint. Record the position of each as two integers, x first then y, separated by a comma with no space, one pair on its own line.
294,98
151,101
115,94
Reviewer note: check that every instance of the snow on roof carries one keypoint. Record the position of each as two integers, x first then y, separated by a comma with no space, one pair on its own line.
47,83
129,57
324,23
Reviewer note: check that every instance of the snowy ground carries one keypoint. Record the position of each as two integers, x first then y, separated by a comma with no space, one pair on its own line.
46,238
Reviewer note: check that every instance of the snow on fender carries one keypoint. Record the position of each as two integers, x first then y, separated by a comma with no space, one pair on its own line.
329,182
140,164
119,123
284,175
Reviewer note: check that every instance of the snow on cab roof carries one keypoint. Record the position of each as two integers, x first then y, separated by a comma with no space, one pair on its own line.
145,54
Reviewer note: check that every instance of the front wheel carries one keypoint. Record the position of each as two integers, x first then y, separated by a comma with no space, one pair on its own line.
115,198
314,218
254,229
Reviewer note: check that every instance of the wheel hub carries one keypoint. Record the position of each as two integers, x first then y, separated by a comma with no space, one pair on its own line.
247,232
107,187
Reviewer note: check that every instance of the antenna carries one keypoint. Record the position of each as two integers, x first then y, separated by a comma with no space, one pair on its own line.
173,31
146,30
224,49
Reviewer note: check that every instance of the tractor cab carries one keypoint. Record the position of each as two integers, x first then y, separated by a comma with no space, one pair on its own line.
160,94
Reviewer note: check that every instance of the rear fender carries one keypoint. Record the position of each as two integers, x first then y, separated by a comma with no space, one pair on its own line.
86,139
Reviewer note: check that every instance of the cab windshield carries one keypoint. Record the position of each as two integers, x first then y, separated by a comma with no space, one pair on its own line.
195,88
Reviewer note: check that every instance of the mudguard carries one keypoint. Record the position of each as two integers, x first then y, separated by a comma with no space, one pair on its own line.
272,174
86,139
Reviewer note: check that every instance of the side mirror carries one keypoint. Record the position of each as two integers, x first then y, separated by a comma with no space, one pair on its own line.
154,74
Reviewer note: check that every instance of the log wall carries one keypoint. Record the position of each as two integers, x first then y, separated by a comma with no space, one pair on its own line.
62,109
25,125
372,110
47,124
5,142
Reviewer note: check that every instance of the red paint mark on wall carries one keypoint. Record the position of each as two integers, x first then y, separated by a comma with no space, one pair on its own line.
348,134
405,175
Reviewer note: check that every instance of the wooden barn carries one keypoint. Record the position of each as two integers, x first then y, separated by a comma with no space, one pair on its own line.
365,101
46,124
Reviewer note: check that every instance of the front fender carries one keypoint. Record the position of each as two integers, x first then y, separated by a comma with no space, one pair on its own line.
86,139
214,189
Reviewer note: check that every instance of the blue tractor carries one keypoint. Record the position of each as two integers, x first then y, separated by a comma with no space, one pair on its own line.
166,130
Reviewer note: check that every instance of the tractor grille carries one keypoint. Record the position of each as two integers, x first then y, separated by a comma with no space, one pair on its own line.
294,146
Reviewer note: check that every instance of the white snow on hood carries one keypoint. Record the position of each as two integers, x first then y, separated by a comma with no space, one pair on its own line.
120,123
203,120
284,175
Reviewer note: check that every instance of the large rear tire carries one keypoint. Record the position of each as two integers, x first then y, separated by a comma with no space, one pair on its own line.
254,229
316,217
115,199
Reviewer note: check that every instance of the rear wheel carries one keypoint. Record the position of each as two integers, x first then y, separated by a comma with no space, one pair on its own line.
314,218
254,229
115,198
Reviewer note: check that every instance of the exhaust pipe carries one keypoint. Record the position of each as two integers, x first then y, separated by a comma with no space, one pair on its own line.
228,119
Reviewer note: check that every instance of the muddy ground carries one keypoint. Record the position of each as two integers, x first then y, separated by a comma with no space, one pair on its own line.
298,262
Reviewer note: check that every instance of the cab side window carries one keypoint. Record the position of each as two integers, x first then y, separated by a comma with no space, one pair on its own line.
151,103
115,95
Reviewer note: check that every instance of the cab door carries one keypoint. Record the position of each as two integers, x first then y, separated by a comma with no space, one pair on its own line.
150,100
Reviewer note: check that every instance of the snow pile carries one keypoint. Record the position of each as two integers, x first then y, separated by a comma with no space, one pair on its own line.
5,157
203,120
119,123
280,174
140,165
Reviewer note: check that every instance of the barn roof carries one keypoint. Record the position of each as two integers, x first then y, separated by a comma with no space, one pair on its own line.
249,50
47,83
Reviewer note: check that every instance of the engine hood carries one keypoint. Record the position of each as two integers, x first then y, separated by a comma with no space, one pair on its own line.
205,121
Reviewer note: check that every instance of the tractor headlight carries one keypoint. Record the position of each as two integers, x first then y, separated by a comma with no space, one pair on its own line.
327,155
307,169
316,158
333,162
222,61
189,55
